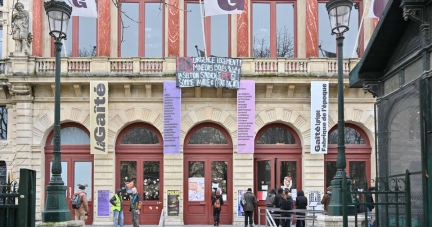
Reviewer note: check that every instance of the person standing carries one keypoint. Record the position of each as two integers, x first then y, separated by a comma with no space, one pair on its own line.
301,203
249,203
286,203
217,203
276,204
117,206
135,206
370,207
81,213
270,198
326,199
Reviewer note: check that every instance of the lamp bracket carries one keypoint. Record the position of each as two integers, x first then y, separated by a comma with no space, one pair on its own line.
412,10
372,87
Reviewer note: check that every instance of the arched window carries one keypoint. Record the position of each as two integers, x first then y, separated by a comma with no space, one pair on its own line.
352,136
208,135
73,135
276,135
140,135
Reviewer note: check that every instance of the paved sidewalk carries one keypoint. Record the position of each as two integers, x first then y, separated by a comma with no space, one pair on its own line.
168,225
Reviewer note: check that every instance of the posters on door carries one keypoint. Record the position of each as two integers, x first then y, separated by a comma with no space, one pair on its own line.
196,189
315,201
173,202
240,211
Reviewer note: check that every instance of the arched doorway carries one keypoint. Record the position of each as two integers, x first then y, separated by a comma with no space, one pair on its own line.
76,162
139,163
358,155
277,159
207,166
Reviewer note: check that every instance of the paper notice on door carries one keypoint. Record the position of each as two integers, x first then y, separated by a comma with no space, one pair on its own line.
196,189
215,185
264,187
224,197
294,194
262,195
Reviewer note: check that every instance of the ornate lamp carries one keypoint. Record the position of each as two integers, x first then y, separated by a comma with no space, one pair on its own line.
56,206
339,13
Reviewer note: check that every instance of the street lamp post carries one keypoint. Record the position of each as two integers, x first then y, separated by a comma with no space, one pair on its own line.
56,206
339,13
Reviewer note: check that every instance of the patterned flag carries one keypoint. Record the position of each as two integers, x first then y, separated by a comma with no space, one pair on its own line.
83,8
218,7
377,8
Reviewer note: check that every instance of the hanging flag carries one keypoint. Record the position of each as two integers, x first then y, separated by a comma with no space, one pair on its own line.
218,7
83,8
377,8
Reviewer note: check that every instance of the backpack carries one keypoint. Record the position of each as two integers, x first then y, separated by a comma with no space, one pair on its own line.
217,204
270,199
76,202
243,200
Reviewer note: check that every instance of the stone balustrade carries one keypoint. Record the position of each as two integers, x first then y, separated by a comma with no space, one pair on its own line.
24,65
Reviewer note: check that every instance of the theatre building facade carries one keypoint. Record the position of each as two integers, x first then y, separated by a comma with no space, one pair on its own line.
136,66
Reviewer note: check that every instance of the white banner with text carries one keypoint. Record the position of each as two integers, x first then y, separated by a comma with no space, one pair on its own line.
319,116
99,117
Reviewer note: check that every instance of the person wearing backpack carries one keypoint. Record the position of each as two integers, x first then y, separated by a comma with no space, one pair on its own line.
286,203
217,203
249,203
80,204
270,198
117,206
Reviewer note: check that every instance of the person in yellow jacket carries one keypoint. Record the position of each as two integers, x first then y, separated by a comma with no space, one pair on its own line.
117,206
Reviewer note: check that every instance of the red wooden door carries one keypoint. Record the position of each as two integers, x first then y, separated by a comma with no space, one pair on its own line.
202,176
146,175
76,161
207,166
75,171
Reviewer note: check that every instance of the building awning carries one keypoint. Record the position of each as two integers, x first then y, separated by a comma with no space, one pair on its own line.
381,47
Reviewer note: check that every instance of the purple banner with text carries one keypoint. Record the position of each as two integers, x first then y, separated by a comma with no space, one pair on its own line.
172,117
246,117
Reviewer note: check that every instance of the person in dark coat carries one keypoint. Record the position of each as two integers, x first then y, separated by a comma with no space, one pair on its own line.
249,206
277,205
301,203
270,198
216,211
286,203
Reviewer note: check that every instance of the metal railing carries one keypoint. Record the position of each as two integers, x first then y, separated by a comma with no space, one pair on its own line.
269,219
392,200
294,216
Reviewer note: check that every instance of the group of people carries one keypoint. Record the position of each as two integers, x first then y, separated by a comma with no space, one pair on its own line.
284,201
81,213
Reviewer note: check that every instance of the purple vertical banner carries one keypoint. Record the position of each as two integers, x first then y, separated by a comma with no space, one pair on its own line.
246,117
172,117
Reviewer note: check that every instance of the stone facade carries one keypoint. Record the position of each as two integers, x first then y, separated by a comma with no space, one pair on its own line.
136,95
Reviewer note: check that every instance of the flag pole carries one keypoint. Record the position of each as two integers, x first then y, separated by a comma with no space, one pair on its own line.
358,33
202,25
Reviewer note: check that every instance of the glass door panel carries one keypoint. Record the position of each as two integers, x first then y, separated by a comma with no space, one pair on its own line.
357,172
330,173
288,174
83,176
196,184
220,178
151,181
128,177
264,179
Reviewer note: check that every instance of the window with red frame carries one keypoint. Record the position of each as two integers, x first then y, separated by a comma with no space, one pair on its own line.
141,29
216,32
327,41
273,29
80,38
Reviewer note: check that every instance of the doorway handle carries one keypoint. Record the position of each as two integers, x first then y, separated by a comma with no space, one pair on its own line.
70,192
203,203
159,202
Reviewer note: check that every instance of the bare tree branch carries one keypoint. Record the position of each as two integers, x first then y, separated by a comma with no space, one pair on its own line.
284,45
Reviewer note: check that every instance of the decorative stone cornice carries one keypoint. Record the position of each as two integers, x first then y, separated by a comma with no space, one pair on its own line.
20,89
